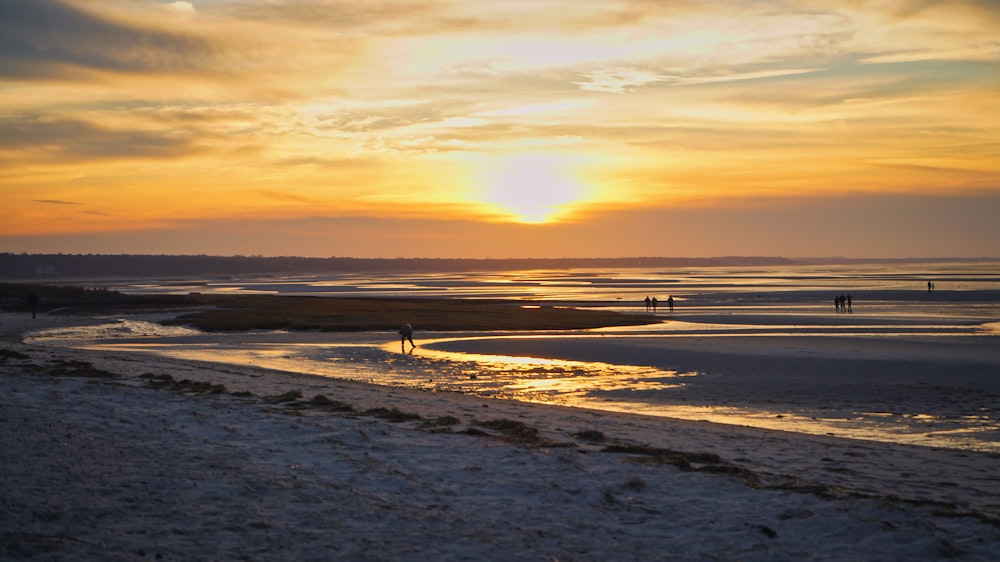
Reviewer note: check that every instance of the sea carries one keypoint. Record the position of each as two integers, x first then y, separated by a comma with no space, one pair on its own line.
915,360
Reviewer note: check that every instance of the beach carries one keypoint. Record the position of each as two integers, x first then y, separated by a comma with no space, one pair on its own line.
119,455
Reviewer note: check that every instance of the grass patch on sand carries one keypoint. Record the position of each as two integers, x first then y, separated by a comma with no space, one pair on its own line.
16,297
264,312
230,313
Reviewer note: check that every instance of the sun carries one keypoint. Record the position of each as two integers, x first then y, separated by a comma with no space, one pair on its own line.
533,188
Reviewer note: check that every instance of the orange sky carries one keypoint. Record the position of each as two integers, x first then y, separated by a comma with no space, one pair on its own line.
523,128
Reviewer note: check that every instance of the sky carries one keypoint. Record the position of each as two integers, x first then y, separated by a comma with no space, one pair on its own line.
496,129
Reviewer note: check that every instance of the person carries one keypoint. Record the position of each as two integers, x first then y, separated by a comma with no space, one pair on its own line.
670,303
655,303
930,286
33,303
850,299
406,333
648,304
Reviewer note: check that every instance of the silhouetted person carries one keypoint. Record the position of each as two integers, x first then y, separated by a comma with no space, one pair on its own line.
32,303
849,300
670,303
930,286
649,304
406,333
655,303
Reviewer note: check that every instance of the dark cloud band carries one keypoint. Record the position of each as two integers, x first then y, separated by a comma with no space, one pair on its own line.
50,39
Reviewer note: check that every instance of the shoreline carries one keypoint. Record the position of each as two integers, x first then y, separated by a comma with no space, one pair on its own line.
858,383
763,361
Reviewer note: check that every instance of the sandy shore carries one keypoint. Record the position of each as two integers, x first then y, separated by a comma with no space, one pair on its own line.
113,456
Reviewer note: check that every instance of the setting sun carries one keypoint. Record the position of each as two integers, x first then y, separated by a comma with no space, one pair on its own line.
532,188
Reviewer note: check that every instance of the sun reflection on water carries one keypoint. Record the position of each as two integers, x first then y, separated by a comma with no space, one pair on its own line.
535,379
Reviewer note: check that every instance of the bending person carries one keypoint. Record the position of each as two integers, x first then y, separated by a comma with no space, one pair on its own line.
406,333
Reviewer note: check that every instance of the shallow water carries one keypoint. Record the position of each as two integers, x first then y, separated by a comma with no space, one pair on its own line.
706,285
744,346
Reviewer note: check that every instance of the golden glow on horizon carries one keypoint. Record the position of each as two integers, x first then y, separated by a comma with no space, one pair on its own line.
133,115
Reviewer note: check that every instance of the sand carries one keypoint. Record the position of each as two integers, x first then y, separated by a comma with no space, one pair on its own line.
110,456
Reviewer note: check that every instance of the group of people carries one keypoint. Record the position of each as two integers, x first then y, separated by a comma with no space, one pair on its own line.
652,303
843,303
406,330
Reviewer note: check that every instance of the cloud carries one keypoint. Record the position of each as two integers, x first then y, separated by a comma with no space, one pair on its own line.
183,9
284,197
69,139
51,39
56,202
983,52
619,81
372,16
361,117
408,18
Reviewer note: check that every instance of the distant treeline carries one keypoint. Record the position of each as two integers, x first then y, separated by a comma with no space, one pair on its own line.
43,266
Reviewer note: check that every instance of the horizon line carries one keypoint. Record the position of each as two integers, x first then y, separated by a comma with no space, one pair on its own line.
814,259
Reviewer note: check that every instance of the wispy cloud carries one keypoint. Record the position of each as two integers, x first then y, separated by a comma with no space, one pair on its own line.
179,8
40,139
982,52
620,80
56,202
627,80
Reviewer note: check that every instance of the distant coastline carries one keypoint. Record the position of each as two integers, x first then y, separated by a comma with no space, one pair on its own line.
56,266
